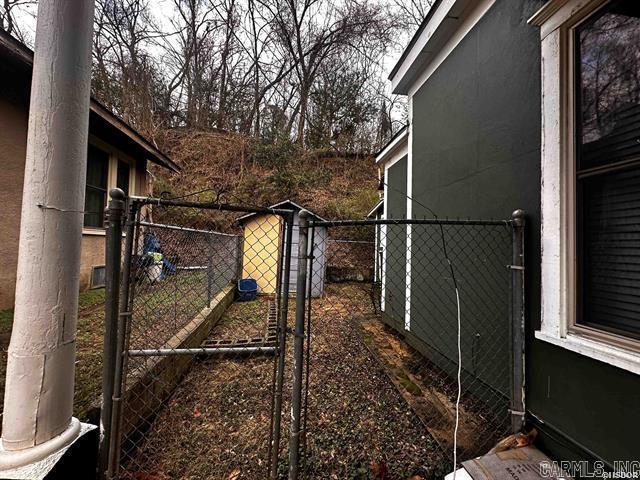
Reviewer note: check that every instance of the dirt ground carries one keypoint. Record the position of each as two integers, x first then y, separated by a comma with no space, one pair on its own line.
359,426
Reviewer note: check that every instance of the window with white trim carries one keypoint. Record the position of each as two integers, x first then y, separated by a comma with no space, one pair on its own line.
107,168
591,178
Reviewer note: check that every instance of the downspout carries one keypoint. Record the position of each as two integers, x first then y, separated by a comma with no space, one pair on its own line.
38,401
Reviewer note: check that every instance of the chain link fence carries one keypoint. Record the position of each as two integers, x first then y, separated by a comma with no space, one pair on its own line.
392,289
198,322
206,364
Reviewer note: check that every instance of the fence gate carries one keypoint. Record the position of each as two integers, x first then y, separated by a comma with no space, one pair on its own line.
377,357
193,362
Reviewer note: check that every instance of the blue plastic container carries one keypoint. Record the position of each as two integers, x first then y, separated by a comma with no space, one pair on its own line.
247,289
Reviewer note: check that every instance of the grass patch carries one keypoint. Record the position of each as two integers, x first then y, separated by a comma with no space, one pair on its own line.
91,298
6,320
407,383
87,299
176,295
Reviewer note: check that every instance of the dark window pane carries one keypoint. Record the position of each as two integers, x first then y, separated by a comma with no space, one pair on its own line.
96,191
94,203
608,100
97,168
610,250
608,206
123,176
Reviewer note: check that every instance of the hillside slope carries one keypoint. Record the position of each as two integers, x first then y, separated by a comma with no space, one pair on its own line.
236,169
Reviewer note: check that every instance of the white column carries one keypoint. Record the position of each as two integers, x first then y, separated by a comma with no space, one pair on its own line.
38,401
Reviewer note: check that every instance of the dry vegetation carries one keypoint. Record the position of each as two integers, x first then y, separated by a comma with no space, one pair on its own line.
237,169
359,426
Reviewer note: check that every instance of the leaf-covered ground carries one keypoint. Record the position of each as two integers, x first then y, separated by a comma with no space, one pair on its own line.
216,424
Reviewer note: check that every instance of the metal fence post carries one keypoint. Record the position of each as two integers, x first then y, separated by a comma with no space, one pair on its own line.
113,251
298,347
517,407
240,257
210,270
282,342
124,313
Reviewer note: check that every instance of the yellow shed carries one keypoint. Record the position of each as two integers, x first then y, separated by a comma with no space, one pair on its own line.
263,239
261,252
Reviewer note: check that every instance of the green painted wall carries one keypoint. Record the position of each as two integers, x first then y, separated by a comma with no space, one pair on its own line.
476,144
396,241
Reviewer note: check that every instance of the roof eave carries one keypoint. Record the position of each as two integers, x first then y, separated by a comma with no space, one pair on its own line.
377,207
393,147
24,54
153,153
444,18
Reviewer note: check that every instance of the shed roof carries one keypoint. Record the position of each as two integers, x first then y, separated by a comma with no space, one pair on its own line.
17,58
284,205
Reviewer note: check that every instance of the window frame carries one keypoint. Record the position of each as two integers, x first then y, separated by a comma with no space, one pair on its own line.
95,188
112,176
558,21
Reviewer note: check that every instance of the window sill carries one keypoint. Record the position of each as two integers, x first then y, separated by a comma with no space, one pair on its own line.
94,231
597,350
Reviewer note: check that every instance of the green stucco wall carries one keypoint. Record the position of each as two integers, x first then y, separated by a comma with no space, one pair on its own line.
476,146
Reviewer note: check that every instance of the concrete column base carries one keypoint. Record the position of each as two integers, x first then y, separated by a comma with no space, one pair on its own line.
15,459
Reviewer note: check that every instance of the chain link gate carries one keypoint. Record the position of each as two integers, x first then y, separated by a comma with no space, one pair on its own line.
194,360
382,346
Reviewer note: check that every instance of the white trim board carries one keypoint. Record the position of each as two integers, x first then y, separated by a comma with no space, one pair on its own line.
409,214
618,357
451,22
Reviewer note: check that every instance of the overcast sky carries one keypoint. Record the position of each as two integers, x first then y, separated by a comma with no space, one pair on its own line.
162,12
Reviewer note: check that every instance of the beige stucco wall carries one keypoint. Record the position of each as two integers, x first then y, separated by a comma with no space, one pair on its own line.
13,141
13,144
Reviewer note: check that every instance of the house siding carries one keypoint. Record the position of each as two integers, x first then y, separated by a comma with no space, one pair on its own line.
476,153
13,144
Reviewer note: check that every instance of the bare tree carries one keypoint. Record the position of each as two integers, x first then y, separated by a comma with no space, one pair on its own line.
411,13
8,17
314,32
308,70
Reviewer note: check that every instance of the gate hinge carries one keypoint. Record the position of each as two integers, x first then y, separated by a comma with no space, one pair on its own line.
515,267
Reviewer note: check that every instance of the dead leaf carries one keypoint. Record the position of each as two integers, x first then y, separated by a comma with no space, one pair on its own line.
379,470
146,476
234,475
